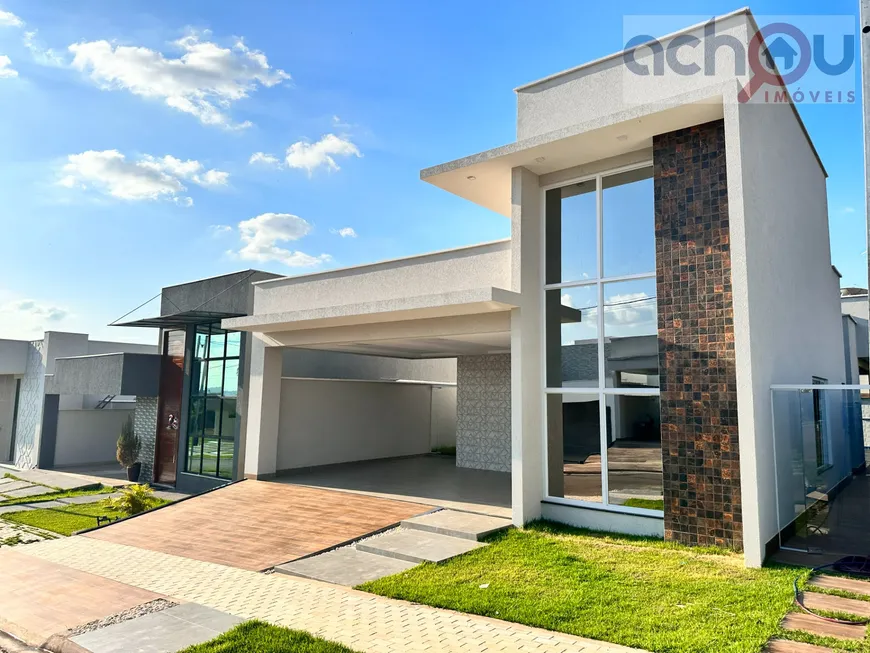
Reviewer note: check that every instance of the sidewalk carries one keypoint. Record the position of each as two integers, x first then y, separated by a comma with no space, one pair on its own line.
365,622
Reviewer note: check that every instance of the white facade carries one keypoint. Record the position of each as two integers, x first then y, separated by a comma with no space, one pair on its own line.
489,299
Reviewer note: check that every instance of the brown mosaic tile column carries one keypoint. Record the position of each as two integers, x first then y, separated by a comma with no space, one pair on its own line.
696,339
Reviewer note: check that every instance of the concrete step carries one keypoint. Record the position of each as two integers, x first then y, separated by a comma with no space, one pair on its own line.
417,546
786,646
346,566
810,624
815,601
464,525
842,584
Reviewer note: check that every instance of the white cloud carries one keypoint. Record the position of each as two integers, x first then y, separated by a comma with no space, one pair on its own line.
266,159
29,318
261,234
218,230
344,232
567,300
6,70
41,54
309,156
149,178
204,81
8,19
848,209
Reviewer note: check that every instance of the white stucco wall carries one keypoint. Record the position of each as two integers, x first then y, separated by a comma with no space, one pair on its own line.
87,436
465,268
328,422
8,384
786,296
443,416
606,87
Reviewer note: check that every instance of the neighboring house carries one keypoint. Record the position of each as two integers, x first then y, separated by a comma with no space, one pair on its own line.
42,427
615,356
856,311
191,399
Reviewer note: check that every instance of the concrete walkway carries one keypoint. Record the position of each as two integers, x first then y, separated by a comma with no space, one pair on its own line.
364,622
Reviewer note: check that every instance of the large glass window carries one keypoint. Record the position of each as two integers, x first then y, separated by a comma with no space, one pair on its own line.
601,333
211,425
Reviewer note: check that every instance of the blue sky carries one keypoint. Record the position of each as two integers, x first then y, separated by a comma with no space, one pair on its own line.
96,218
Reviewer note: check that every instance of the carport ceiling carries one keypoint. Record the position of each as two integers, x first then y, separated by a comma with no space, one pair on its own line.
443,347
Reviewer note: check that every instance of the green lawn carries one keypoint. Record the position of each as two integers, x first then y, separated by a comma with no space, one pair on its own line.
637,592
650,504
69,519
259,637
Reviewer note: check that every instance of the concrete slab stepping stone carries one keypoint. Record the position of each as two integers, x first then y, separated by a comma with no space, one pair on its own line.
88,498
166,631
842,584
54,479
822,628
815,601
786,646
465,525
8,488
346,566
29,491
417,546
16,508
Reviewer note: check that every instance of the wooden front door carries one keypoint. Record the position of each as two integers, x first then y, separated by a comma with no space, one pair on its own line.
169,407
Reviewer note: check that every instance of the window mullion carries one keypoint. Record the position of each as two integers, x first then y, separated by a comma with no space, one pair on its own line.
602,368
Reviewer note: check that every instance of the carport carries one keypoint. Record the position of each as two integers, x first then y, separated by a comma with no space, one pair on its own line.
357,442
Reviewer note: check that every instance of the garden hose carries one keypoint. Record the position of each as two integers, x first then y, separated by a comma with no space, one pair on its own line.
851,565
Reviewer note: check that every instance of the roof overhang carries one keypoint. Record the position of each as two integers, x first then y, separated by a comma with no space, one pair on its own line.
179,320
485,178
449,304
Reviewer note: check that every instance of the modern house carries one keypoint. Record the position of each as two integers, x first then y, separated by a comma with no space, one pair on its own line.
615,356
610,365
45,427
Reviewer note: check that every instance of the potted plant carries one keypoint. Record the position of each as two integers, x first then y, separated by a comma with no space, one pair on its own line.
129,446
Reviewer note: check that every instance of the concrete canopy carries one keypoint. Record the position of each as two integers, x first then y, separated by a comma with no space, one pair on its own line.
430,326
106,374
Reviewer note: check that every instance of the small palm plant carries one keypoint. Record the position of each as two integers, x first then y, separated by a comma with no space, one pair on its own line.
129,446
134,499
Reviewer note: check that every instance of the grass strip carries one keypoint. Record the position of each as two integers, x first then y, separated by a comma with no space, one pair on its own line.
259,637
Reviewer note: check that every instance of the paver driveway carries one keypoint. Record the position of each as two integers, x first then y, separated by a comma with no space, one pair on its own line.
257,525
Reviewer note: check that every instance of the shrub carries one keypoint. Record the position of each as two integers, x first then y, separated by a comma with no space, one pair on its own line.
129,444
134,499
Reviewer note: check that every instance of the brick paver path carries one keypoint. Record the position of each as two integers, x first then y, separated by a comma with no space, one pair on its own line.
365,622
256,525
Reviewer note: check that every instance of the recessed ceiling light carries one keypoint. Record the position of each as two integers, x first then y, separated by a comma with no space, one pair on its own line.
471,177
622,137
541,159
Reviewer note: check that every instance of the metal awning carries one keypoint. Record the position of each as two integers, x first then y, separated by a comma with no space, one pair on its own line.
179,320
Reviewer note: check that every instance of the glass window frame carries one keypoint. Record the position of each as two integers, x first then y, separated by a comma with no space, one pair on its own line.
602,391
205,398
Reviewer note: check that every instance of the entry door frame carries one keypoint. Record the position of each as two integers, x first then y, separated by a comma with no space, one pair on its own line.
178,415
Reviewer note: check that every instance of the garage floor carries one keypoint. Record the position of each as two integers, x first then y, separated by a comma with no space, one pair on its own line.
257,525
432,480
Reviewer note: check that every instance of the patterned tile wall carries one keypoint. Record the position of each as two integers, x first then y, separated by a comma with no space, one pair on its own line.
696,338
483,412
145,426
30,402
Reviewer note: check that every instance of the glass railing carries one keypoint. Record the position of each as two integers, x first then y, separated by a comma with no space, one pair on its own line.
817,443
